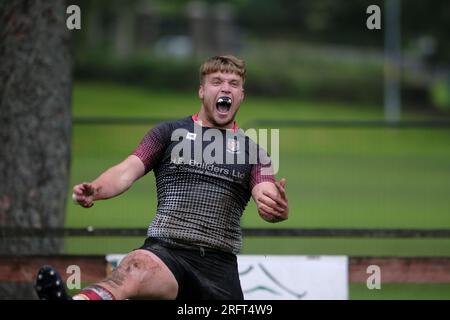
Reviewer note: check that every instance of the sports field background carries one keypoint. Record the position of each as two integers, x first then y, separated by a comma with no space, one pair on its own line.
336,178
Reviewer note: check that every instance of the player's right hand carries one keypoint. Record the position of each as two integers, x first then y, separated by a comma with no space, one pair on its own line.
83,194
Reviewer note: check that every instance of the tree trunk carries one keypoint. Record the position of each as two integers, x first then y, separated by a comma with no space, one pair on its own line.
35,123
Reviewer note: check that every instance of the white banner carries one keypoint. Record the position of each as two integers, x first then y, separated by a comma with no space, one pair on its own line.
284,277
276,277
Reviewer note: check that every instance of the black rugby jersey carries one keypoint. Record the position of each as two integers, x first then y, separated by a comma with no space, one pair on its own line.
204,177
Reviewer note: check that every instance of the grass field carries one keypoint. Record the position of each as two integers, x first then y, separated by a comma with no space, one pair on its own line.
366,178
394,291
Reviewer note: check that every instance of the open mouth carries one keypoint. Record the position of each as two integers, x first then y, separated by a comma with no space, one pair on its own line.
223,105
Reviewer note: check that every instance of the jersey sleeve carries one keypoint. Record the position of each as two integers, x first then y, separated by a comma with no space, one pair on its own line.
262,171
152,145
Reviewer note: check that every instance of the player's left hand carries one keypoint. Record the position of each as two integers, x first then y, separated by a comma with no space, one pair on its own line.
272,201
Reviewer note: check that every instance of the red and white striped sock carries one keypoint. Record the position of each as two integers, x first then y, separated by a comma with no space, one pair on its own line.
94,292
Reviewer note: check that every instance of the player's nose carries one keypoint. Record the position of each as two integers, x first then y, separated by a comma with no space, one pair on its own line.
225,92
225,88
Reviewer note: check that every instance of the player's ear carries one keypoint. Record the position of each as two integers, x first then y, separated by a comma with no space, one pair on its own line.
201,92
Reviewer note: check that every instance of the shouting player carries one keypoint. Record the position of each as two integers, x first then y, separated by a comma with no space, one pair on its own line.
206,171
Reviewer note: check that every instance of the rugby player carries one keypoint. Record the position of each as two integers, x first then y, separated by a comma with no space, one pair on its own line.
202,191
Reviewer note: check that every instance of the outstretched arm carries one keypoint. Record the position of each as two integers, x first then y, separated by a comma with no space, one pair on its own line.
271,200
111,183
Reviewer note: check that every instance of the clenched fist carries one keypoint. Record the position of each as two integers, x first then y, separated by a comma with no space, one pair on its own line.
83,194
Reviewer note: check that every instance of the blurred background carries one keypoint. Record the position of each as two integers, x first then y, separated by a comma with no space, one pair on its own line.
314,50
363,117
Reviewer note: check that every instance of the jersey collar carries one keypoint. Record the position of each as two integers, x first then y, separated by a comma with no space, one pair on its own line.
234,129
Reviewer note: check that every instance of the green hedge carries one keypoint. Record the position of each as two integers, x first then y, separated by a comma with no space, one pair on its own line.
310,80
157,73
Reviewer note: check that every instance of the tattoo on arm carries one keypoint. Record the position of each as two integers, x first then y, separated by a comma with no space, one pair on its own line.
116,279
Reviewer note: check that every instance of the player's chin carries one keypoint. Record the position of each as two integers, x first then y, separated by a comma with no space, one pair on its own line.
224,119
